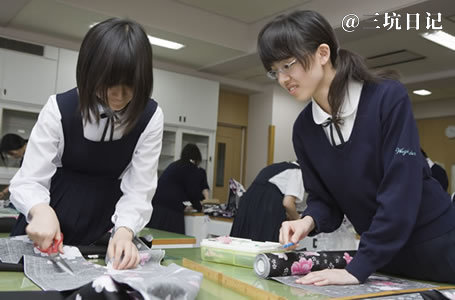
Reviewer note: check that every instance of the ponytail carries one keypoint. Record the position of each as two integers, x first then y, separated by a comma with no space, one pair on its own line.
350,66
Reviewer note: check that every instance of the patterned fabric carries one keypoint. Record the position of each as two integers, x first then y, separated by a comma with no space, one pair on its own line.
300,262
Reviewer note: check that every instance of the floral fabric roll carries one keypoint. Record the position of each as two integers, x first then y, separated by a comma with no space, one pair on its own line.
300,262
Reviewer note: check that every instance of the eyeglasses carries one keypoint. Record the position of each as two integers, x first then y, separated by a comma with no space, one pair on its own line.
285,69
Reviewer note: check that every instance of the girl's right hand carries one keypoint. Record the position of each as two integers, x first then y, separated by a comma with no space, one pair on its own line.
44,226
295,231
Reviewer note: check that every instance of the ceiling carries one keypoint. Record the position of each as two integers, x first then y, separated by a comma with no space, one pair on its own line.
220,36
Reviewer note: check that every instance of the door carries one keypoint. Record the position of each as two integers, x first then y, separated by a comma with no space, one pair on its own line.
228,160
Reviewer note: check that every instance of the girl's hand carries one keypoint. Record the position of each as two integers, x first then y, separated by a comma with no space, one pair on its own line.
294,231
122,250
44,226
328,276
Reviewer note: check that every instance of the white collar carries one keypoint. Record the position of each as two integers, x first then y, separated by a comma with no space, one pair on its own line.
430,162
105,109
349,106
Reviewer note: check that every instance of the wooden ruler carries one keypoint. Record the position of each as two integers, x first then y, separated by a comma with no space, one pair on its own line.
176,241
256,293
398,292
231,283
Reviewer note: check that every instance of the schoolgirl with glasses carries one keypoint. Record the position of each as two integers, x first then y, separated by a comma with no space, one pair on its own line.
358,147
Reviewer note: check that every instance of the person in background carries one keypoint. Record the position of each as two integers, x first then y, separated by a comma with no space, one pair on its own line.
92,157
359,151
269,201
11,145
437,172
204,184
181,181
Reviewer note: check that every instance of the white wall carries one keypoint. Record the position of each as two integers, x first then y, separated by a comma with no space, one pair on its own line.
285,111
259,118
434,109
274,106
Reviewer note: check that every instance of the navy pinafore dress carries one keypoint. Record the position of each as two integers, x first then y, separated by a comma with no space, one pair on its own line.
85,190
261,209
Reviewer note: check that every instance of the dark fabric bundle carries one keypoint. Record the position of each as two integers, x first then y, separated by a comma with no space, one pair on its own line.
300,262
122,292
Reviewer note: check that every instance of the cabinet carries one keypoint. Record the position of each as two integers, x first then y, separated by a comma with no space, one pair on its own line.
5,176
174,139
15,119
28,78
19,120
186,101
202,227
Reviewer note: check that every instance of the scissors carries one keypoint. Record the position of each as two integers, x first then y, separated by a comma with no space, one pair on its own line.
55,256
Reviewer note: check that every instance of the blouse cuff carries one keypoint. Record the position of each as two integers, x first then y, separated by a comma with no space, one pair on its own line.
26,209
127,224
126,227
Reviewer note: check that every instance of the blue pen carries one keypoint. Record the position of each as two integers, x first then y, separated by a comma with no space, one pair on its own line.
288,245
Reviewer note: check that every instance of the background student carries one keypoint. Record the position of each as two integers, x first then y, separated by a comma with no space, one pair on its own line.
269,201
181,181
204,184
11,145
92,157
437,172
358,147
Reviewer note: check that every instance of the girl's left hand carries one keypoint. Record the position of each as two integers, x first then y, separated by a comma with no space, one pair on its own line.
328,276
122,250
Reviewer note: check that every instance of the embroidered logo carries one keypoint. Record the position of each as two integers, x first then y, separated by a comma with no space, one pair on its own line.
404,152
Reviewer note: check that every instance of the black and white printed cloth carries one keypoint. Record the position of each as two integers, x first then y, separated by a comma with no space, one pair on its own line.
300,262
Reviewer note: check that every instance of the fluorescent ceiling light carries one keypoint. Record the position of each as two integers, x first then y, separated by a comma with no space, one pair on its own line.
422,92
442,38
164,43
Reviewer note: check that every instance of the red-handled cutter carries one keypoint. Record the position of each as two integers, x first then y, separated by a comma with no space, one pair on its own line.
55,256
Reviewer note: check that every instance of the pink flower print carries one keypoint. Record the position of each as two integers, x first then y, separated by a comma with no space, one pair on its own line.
224,239
145,257
301,267
347,257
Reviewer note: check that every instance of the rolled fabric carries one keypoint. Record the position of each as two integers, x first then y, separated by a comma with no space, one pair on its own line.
8,267
299,262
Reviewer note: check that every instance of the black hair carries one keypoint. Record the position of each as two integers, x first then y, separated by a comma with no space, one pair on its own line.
423,153
299,34
114,52
191,152
10,142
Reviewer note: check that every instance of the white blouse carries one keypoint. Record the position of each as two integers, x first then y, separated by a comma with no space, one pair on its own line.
348,112
290,182
30,186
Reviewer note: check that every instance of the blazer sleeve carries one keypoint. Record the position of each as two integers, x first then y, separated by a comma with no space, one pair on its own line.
400,190
204,183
